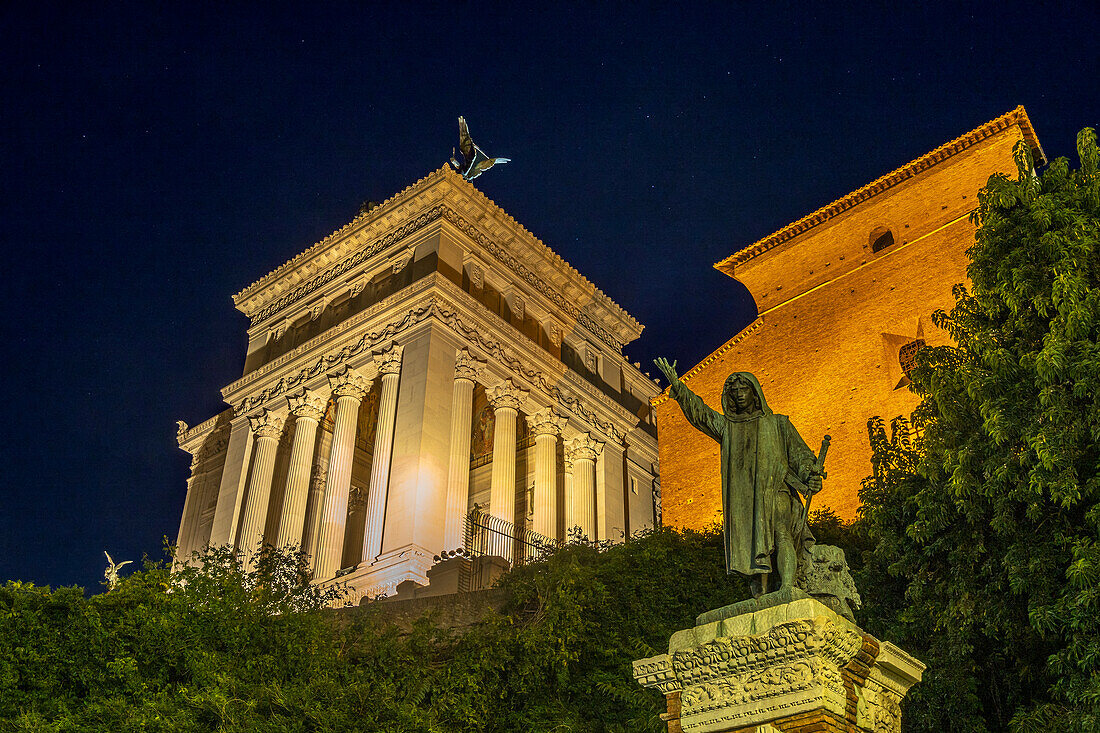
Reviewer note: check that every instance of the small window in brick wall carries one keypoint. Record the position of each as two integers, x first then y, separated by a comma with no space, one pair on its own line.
880,239
907,356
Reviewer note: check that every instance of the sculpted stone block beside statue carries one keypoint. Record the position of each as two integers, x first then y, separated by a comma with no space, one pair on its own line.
792,655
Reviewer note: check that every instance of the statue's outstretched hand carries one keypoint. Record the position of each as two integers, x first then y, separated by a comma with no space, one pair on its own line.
669,370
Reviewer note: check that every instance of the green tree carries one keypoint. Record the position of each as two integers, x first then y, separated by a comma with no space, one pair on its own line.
986,530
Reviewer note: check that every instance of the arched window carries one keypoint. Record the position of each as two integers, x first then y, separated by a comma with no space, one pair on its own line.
880,239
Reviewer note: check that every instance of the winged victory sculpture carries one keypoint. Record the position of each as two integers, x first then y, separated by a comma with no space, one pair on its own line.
474,160
110,575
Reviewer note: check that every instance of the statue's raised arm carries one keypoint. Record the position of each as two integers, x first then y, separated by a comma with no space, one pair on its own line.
669,370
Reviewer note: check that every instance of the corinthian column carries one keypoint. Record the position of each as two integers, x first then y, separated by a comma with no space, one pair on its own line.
567,500
506,400
467,369
349,387
267,427
583,450
389,366
307,409
547,425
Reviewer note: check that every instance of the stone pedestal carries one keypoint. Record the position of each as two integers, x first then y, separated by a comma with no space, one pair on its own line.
794,667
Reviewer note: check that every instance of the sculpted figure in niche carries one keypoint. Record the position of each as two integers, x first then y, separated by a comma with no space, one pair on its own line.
765,466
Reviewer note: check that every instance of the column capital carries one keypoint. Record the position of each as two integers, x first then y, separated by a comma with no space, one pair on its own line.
507,394
546,421
467,366
583,447
349,383
389,361
306,404
266,425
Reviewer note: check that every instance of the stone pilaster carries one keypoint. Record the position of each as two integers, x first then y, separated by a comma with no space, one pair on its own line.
389,366
467,371
307,409
611,508
227,512
568,501
348,387
796,666
547,425
583,451
506,400
267,427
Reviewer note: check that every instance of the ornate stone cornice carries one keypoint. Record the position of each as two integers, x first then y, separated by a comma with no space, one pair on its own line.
614,326
583,448
467,366
306,404
389,361
349,383
507,395
435,305
266,425
546,422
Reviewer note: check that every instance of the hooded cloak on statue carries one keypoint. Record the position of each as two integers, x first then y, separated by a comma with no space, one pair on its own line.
760,451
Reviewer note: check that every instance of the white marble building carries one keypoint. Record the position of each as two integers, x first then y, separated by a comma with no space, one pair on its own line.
429,355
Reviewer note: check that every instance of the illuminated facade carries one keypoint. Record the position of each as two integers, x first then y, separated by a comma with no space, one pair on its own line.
430,355
845,297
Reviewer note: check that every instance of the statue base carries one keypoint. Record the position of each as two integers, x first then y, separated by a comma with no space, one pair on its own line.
794,666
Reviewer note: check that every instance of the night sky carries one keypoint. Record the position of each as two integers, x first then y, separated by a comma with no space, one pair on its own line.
155,161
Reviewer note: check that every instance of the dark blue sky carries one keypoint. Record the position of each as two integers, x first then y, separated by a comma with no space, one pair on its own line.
156,160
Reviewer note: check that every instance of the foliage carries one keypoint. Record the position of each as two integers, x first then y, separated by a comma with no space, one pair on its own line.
213,647
986,530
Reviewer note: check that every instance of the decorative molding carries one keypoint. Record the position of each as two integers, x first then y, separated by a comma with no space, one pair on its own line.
349,383
546,422
467,366
507,395
403,258
267,424
307,404
555,334
477,276
583,448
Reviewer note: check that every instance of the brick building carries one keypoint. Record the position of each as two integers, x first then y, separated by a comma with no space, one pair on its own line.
844,298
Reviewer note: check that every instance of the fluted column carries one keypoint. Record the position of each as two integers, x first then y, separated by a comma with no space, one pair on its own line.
267,427
567,500
583,450
467,370
547,425
506,400
349,387
389,366
307,409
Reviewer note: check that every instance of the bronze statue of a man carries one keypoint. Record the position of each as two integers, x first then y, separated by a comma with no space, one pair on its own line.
765,464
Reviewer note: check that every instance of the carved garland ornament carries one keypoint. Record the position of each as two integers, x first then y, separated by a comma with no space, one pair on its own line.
434,306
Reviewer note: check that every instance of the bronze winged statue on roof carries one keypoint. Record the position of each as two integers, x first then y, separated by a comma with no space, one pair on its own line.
474,160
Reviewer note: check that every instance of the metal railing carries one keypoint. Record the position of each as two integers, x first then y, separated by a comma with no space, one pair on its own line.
489,536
